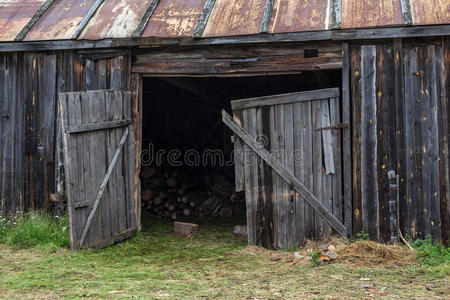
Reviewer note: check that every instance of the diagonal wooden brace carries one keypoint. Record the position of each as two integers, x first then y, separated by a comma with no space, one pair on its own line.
270,159
102,187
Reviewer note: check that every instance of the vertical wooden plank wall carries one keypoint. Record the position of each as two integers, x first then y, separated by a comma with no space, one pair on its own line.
399,105
27,93
31,149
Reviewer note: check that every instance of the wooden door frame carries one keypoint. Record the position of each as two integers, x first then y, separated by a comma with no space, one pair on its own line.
137,105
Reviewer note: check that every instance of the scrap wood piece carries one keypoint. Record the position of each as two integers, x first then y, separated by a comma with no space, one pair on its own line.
185,229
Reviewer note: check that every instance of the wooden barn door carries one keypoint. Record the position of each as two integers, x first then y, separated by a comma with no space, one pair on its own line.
99,167
288,159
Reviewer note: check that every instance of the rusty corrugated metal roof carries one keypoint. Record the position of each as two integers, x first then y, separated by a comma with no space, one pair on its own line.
298,15
428,12
371,13
235,17
60,21
178,18
14,15
115,19
174,18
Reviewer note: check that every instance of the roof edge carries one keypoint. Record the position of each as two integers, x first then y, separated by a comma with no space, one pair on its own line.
324,35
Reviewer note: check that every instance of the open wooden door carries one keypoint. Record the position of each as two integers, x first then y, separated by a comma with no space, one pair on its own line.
99,167
288,159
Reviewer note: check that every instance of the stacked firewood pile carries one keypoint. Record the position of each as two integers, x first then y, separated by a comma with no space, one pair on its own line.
177,192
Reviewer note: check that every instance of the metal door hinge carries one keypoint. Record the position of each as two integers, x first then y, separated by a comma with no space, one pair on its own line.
337,126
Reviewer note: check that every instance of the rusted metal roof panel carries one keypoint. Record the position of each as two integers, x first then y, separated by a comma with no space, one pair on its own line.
14,15
174,18
60,20
370,13
115,19
235,17
298,15
429,12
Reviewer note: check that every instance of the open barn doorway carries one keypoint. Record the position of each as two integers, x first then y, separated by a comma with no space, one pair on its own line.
187,167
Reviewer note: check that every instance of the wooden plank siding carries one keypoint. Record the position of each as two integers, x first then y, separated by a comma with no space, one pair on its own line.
31,160
408,112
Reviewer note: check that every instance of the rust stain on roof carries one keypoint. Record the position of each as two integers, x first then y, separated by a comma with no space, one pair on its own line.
370,13
235,17
60,21
14,15
173,18
298,15
115,19
428,12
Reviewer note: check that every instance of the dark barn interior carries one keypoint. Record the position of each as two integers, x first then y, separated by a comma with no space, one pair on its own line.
187,165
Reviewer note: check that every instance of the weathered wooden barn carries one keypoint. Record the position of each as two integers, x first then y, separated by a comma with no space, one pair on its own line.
350,97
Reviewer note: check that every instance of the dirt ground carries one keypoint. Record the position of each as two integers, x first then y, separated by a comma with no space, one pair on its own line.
215,264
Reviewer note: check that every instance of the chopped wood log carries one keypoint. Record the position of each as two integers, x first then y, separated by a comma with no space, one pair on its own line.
185,229
187,212
146,195
173,216
171,182
157,201
148,172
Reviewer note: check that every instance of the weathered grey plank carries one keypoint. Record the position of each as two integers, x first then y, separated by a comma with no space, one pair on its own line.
118,104
308,164
285,98
111,192
130,162
369,141
291,234
406,12
248,184
238,156
334,12
327,146
270,159
346,139
64,119
275,176
281,185
265,23
97,126
299,172
97,113
317,155
337,150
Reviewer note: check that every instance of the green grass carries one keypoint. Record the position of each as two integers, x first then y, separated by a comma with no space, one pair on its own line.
214,264
34,229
